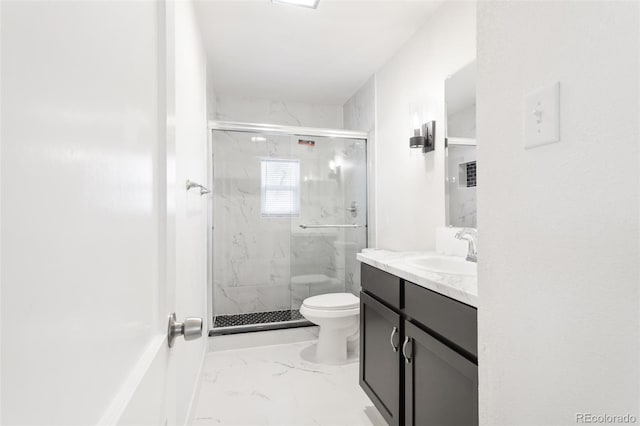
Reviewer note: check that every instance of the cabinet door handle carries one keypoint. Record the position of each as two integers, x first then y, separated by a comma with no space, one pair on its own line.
407,355
394,333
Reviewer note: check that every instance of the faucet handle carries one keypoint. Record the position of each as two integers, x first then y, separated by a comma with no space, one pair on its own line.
467,231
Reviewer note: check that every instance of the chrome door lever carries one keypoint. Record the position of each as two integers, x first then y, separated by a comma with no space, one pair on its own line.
190,329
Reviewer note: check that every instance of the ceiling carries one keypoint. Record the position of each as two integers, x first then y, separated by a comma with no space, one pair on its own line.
261,50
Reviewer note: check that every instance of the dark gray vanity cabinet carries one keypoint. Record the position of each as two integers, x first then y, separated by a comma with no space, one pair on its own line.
418,353
440,385
380,357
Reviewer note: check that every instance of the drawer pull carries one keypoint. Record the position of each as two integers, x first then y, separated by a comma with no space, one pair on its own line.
394,333
407,356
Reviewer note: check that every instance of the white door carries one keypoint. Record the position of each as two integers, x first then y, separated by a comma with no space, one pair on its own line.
90,215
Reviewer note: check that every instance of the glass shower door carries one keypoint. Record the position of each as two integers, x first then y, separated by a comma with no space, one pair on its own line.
331,226
253,207
289,216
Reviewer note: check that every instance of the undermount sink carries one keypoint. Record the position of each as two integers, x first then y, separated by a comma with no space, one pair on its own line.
445,264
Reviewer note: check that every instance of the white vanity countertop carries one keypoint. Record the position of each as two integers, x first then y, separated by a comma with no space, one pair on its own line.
459,287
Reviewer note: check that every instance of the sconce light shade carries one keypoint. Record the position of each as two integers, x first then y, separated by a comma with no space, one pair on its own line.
416,138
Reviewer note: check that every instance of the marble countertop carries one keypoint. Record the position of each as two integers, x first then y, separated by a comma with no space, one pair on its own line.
459,287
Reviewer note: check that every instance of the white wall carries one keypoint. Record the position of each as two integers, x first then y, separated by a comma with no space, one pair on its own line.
559,224
191,208
279,112
409,185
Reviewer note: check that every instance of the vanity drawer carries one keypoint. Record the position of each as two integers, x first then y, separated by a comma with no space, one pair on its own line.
381,284
449,318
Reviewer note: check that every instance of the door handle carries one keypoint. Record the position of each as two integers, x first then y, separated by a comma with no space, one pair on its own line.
190,329
407,356
394,333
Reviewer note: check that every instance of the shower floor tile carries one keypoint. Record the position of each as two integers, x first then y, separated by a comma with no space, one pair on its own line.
256,318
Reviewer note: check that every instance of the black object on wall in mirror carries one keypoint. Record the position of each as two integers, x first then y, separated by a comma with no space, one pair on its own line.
429,130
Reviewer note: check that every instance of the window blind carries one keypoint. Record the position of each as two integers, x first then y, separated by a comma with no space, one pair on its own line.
280,187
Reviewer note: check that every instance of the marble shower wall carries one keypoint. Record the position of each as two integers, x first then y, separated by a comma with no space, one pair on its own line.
359,114
279,112
255,257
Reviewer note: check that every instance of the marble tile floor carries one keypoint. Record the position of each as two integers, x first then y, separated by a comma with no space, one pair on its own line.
269,378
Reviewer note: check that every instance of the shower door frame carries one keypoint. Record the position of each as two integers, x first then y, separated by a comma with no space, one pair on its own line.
273,129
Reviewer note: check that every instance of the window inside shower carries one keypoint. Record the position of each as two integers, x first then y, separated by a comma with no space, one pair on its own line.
289,216
280,187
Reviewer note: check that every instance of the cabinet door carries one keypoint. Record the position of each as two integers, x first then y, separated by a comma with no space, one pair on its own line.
441,386
380,358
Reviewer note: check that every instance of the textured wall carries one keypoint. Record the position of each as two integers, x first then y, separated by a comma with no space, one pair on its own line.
559,224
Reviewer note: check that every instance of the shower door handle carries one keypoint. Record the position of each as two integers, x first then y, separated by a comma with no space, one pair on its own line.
331,226
190,329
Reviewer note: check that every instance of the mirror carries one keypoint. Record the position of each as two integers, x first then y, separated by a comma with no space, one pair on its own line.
460,152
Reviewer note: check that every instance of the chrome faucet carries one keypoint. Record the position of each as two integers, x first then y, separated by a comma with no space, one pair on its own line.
471,236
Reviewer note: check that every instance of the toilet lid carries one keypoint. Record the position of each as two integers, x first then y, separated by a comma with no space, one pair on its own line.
332,301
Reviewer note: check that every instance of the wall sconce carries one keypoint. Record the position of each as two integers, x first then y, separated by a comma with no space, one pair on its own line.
423,135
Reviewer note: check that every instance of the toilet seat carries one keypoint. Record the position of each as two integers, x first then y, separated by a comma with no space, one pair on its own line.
332,301
331,305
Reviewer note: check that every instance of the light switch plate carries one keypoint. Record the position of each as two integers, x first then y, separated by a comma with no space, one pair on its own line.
542,116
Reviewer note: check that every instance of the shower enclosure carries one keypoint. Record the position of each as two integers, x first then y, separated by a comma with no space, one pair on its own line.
289,216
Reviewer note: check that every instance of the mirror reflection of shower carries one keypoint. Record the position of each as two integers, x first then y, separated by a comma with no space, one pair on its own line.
353,209
289,217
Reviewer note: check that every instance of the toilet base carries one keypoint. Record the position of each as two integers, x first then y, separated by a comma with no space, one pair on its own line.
333,343
332,346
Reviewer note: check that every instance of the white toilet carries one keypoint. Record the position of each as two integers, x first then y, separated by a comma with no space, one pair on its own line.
338,315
